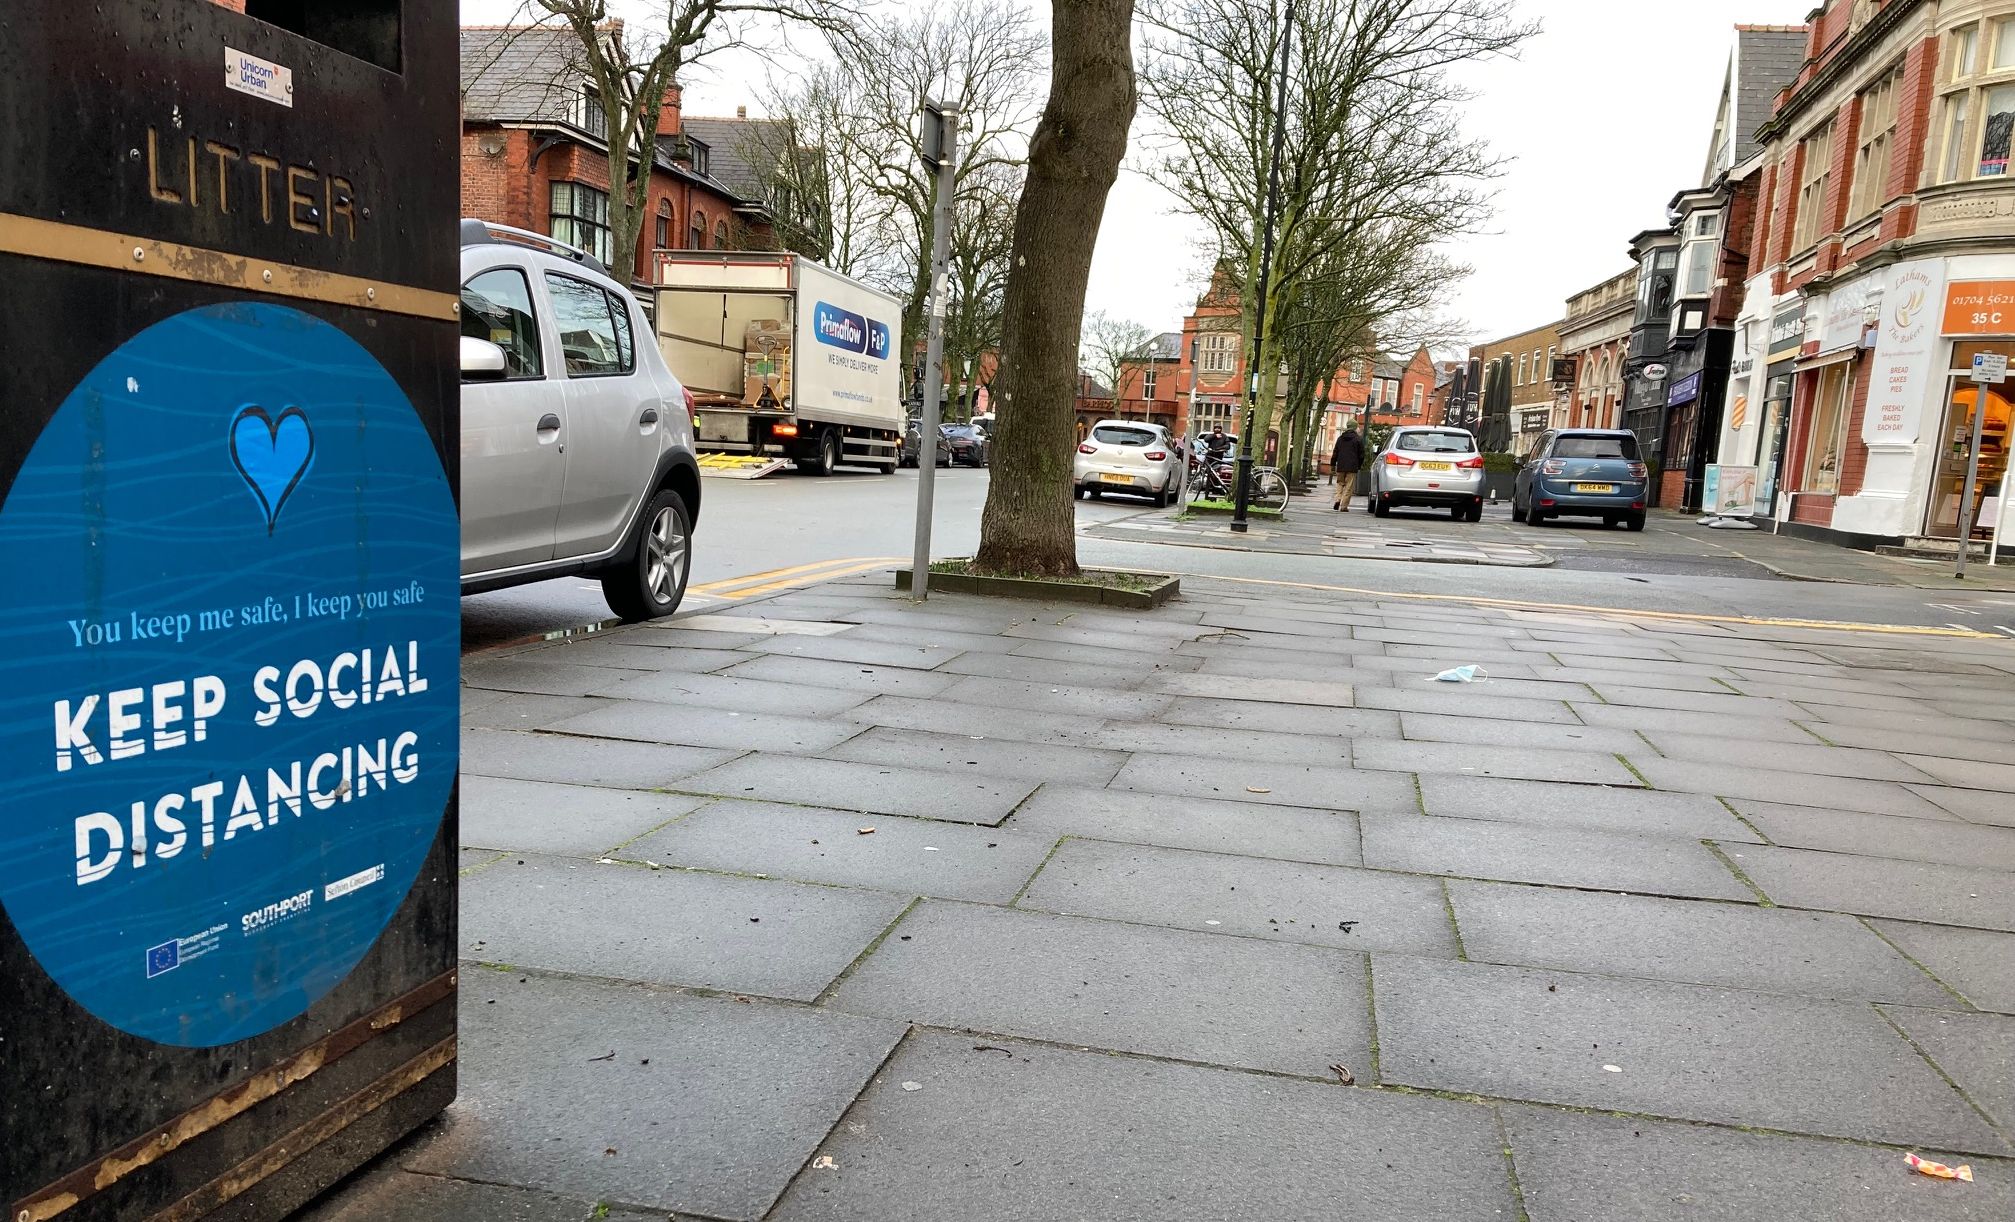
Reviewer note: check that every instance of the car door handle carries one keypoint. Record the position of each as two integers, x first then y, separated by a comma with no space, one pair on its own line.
549,423
650,416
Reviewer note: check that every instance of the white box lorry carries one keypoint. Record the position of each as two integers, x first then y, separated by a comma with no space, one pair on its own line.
783,357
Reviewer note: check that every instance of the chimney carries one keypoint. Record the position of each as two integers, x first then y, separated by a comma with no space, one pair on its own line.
668,113
741,112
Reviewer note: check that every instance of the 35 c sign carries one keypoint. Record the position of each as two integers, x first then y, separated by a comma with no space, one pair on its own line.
1980,307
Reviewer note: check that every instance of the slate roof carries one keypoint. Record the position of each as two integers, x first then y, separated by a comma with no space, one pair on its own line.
735,148
514,74
1767,58
1164,347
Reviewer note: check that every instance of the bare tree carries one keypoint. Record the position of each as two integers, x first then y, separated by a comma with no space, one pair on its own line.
1374,170
982,237
816,162
1074,158
1109,347
628,68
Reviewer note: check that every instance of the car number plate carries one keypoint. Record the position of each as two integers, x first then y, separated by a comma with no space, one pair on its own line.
1120,479
1437,466
1595,487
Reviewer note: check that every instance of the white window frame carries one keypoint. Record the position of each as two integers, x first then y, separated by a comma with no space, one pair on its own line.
1870,189
1815,179
1970,79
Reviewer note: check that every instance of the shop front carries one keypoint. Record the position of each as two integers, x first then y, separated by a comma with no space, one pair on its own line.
1824,395
1979,319
1787,335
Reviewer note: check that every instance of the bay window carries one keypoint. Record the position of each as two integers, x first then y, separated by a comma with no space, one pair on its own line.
1978,101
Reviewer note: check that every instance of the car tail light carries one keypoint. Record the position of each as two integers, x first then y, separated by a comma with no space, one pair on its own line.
1086,447
1156,456
784,429
1471,464
1637,470
1552,466
1397,460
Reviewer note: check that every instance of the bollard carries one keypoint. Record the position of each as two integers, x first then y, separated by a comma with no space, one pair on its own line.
230,626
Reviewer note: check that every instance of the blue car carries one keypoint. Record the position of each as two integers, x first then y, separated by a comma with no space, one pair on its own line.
1586,472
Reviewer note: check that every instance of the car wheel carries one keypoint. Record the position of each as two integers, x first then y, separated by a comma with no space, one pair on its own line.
1634,522
652,581
1381,507
1457,513
1160,498
826,457
1475,513
1534,515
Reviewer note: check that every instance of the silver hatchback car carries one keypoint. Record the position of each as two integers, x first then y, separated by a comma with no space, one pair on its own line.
1427,466
577,442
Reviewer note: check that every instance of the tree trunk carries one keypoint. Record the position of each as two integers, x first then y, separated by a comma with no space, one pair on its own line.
1074,157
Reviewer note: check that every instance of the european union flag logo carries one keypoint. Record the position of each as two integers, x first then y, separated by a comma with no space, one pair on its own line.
163,958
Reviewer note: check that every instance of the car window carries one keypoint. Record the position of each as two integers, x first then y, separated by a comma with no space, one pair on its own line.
1121,435
1433,442
1621,446
497,306
587,329
619,309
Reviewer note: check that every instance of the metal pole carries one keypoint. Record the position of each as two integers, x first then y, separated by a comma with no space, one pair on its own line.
1243,495
2000,516
934,348
1966,489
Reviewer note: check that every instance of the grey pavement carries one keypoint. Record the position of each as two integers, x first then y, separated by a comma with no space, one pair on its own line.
833,907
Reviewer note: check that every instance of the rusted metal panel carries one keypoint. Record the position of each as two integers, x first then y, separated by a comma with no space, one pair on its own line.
228,458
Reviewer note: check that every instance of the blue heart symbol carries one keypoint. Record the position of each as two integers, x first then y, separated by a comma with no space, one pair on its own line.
273,455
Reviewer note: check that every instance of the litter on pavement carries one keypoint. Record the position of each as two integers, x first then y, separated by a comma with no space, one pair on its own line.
1463,674
1925,1166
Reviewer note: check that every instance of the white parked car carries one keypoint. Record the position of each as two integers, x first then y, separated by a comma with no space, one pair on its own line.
1427,466
1128,456
577,442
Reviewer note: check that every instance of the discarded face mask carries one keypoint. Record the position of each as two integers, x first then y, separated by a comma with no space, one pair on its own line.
1462,674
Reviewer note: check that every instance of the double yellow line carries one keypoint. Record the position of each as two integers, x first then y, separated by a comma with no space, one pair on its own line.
752,585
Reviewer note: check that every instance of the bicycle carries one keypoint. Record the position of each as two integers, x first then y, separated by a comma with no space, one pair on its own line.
1215,480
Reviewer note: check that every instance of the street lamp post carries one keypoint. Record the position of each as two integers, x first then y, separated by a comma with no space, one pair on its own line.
1243,496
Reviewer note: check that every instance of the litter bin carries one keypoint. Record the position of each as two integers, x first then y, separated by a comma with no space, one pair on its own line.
229,632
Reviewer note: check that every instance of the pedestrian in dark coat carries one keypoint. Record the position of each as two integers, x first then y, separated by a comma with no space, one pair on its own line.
1345,462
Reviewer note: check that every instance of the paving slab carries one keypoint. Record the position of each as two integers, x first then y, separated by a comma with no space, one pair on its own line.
1968,774
1112,639
1230,670
957,717
1684,1051
673,634
1623,670
475,859
1350,909
1642,812
842,676
1045,670
1284,718
1056,698
634,649
1465,700
1242,780
1905,728
1681,721
646,721
877,788
969,641
1972,805
1883,738
1517,763
565,759
807,844
1488,732
1774,950
1582,1167
1129,988
1880,886
1337,649
1734,781
669,927
1809,757
387,1194
537,673
919,655
1093,655
728,1108
1415,667
525,711
1341,629
1037,1132
1163,739
1979,963
969,754
1611,647
568,820
1977,1050
1950,841
739,695
1698,702
1563,857
1260,690
1285,832
1870,693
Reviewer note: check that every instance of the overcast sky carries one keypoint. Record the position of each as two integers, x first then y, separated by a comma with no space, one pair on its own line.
1606,115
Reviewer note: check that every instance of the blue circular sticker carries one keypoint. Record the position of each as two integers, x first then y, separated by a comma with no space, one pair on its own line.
228,673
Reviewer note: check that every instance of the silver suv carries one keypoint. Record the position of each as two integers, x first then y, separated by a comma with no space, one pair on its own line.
577,442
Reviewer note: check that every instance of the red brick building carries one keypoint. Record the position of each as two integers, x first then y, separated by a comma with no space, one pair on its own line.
534,155
1884,225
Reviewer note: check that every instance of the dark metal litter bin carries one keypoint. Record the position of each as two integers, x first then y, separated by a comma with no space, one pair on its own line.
229,625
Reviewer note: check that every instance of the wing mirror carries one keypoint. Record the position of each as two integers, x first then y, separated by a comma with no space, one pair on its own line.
482,361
